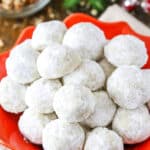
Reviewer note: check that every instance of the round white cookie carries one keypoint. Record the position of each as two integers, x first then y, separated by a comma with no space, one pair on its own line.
56,61
21,64
107,67
88,74
126,86
46,33
12,96
132,125
31,125
40,95
59,135
74,103
103,139
104,111
87,39
126,50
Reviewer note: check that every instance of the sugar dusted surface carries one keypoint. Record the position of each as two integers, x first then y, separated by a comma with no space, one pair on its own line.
132,125
88,74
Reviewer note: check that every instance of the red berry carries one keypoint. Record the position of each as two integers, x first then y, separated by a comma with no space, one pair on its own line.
146,6
130,4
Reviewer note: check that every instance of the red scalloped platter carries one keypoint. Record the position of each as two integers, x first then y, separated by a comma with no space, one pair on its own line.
9,133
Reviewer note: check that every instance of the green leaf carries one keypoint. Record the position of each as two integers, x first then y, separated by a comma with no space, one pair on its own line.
100,5
70,4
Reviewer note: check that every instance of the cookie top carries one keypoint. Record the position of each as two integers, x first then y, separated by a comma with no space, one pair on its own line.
104,139
87,39
21,64
88,74
63,135
126,86
46,33
132,125
104,111
31,125
12,95
40,95
126,50
74,103
57,60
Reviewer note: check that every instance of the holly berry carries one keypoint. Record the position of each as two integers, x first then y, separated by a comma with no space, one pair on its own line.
130,5
146,6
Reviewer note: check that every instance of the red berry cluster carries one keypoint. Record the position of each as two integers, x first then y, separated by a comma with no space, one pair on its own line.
132,4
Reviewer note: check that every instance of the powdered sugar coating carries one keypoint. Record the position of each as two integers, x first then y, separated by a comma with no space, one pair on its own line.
104,111
107,67
12,96
56,61
87,39
146,78
146,73
127,87
48,32
21,64
74,103
103,139
31,125
88,74
59,135
40,95
132,125
126,50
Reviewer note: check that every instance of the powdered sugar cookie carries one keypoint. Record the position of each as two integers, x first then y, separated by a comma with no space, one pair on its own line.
126,50
103,139
59,135
56,61
87,39
88,74
74,103
40,95
132,125
12,96
126,86
104,111
21,64
46,33
31,125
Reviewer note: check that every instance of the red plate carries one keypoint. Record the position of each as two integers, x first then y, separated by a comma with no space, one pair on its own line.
9,133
